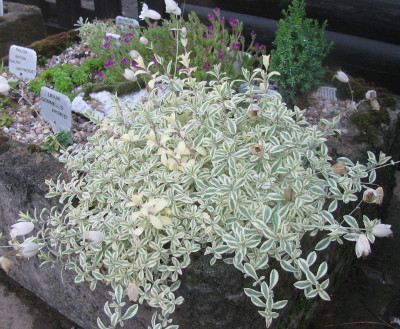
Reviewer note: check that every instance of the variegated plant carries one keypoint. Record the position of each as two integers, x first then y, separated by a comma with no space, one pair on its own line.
201,167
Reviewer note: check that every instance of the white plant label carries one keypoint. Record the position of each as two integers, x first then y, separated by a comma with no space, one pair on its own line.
125,22
55,109
327,93
1,8
22,62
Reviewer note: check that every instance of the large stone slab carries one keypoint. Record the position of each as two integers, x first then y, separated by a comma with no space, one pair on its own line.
21,25
213,295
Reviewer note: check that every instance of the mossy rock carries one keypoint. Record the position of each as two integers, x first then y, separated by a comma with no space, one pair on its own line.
369,123
120,89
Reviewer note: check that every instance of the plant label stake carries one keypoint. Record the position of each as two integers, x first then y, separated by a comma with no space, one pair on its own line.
125,22
55,109
327,93
22,62
1,8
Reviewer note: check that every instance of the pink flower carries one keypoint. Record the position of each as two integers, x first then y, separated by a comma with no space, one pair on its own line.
106,45
233,22
210,17
101,74
109,64
206,65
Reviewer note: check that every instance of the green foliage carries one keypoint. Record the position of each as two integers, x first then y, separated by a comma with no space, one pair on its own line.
219,42
65,77
5,119
300,47
60,140
201,167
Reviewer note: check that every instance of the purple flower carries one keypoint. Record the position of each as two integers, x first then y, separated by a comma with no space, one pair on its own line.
253,33
106,45
134,64
262,47
155,62
236,46
221,56
123,61
108,38
233,22
221,19
129,34
210,28
109,64
256,45
216,10
179,68
126,40
159,37
205,36
210,17
206,65
130,27
101,74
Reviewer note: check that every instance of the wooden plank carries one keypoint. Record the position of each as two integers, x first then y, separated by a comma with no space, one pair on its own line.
68,12
107,8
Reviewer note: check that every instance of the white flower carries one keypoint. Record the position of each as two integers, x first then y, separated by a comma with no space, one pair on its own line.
342,77
266,62
6,264
382,230
27,249
143,40
4,86
370,195
172,7
21,228
370,94
362,246
130,75
149,13
94,237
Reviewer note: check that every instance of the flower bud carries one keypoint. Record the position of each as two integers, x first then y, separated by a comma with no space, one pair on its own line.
134,54
341,76
94,237
382,230
130,75
144,41
289,194
375,105
380,195
21,228
257,150
363,247
27,249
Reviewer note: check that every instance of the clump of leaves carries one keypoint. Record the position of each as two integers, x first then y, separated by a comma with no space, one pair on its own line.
221,41
199,166
60,140
66,77
300,47
5,119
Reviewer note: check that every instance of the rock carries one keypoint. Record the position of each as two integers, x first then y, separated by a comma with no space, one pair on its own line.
20,25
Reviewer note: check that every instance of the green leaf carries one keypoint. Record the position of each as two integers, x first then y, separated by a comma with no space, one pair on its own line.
231,126
302,284
118,294
323,294
372,176
279,305
273,278
130,312
250,271
267,214
252,293
323,244
101,324
257,301
322,269
351,221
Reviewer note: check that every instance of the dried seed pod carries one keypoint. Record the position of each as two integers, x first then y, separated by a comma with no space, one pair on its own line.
289,194
375,105
257,150
6,264
340,168
380,195
254,111
370,195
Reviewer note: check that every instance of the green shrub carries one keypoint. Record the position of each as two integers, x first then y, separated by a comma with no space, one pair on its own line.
300,47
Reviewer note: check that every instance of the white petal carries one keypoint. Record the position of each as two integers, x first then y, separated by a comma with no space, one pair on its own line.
27,249
382,230
22,228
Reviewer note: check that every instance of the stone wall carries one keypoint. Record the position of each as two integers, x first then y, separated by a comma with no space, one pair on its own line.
20,25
